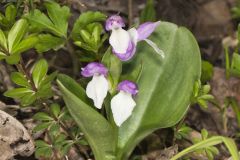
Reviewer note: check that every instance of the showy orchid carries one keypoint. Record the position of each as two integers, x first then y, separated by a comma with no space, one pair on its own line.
97,88
124,42
123,104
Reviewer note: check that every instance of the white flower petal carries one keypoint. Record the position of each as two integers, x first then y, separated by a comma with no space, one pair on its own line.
97,90
119,40
155,47
122,106
133,35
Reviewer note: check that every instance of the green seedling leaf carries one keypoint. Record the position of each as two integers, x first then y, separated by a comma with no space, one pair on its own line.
28,99
58,22
55,109
204,134
99,134
207,71
18,92
47,42
42,126
3,41
25,44
19,79
85,19
16,34
2,55
40,143
11,13
41,116
59,16
13,59
39,71
45,152
206,89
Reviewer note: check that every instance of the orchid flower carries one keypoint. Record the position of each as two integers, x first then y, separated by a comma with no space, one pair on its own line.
124,42
97,88
123,104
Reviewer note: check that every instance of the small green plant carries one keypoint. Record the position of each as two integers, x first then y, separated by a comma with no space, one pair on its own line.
201,94
207,145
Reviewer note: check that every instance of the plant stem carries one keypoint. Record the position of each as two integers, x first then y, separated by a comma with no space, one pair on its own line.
73,57
21,68
130,13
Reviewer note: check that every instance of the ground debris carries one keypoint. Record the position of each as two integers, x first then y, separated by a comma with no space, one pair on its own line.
14,138
165,154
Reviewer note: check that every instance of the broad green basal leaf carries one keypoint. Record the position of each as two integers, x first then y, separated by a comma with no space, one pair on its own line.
96,129
165,85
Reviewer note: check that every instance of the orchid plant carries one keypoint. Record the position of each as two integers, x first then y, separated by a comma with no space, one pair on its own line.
126,89
138,88
123,45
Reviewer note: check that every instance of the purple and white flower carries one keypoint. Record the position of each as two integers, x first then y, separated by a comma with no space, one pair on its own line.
123,104
98,87
124,42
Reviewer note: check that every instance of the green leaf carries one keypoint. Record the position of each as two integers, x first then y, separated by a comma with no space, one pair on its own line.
97,130
207,71
2,55
25,44
18,92
13,59
19,79
235,66
41,116
3,41
85,19
165,87
39,71
40,22
42,126
58,22
47,42
16,34
59,16
28,99
48,79
135,75
114,66
40,143
45,152
11,13
210,142
204,134
148,13
55,109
